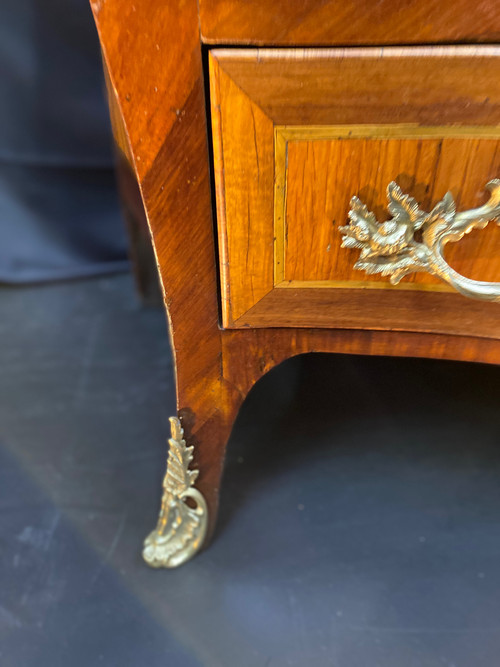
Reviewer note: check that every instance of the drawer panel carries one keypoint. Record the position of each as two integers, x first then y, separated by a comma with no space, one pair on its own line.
318,169
297,133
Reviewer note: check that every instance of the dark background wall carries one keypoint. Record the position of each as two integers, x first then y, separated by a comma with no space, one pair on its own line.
59,213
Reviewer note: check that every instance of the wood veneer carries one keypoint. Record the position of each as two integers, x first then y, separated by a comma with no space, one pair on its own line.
348,22
153,55
344,122
322,175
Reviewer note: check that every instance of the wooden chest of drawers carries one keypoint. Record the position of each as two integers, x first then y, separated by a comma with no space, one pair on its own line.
329,192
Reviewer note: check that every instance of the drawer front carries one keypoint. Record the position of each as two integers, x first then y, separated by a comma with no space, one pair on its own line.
298,133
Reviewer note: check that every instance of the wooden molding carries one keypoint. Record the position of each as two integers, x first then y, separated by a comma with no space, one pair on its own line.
344,123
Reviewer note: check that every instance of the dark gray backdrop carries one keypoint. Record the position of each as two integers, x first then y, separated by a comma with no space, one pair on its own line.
59,214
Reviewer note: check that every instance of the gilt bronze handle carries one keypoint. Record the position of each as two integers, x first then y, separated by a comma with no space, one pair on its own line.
391,249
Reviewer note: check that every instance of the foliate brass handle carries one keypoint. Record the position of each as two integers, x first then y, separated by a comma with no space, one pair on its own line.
391,249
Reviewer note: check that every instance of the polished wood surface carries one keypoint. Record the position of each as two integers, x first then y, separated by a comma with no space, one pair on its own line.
376,309
323,175
442,85
244,175
153,54
345,22
157,78
141,252
347,123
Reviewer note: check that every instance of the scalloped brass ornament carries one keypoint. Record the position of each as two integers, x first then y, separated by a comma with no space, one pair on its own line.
181,528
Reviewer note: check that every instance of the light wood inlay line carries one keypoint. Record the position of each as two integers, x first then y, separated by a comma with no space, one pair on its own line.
360,284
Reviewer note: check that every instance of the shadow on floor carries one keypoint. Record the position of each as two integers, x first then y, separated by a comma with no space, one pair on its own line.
359,516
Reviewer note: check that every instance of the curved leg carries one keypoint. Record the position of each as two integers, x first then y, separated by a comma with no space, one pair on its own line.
188,513
157,89
140,248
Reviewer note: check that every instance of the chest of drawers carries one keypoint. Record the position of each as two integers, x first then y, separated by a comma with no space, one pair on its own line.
317,176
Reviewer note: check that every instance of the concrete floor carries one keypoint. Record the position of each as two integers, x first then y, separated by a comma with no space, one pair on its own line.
360,520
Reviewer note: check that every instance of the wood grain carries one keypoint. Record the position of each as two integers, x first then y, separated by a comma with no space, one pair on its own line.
243,192
377,309
141,251
260,350
322,176
389,101
140,248
330,22
152,52
441,85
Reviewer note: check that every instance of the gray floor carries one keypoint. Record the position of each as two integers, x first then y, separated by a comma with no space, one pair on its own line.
360,521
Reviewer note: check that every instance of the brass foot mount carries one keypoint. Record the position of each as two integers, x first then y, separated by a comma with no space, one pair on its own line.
181,527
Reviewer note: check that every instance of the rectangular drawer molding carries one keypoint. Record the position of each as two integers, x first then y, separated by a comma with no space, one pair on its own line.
297,133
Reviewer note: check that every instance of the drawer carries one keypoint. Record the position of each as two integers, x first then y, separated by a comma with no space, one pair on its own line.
297,133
